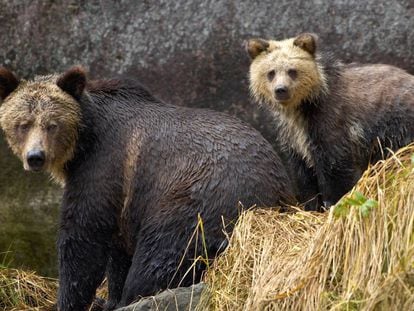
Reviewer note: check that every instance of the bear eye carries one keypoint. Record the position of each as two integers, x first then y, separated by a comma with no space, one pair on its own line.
23,127
293,73
51,127
270,75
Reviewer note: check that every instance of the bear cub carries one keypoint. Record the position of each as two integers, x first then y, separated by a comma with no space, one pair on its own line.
334,118
137,175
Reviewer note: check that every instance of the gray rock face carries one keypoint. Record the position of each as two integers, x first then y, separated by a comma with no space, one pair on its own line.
177,299
189,52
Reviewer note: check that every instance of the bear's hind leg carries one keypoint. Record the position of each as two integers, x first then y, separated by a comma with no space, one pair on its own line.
156,264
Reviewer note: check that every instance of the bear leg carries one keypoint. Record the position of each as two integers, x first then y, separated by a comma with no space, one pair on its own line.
82,265
336,176
86,231
158,263
117,271
306,182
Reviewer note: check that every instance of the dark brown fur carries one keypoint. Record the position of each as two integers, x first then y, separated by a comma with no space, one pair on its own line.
8,82
73,82
255,47
140,176
307,42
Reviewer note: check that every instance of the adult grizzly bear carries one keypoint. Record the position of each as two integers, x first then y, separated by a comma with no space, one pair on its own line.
136,175
334,118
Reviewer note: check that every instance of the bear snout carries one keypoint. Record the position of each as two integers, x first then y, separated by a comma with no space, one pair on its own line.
36,159
282,93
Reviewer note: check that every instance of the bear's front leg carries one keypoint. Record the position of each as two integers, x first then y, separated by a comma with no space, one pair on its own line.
306,182
117,271
83,250
336,176
82,263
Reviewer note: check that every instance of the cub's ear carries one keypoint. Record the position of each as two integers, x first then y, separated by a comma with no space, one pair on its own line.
255,46
73,81
307,42
8,82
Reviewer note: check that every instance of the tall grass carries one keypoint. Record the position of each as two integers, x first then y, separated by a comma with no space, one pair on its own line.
359,256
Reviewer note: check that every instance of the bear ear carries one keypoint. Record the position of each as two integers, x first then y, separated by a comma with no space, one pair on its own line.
73,81
307,42
8,82
255,46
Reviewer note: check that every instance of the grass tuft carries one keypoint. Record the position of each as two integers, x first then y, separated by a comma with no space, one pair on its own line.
23,290
358,256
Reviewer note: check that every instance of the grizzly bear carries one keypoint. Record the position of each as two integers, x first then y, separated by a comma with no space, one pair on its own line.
137,173
334,118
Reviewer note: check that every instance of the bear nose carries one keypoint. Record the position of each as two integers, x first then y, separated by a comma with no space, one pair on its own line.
282,92
36,159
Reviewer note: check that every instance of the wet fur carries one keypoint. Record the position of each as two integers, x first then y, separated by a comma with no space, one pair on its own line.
370,109
140,174
37,103
349,120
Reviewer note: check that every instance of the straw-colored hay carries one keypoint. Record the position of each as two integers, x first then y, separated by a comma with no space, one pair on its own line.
359,256
22,290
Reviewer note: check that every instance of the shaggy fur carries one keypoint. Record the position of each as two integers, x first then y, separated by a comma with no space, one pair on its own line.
338,117
141,173
39,115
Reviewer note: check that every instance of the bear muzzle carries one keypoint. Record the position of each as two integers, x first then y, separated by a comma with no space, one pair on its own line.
36,159
282,93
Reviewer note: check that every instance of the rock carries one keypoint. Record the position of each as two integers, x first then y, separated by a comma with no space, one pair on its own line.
188,52
177,299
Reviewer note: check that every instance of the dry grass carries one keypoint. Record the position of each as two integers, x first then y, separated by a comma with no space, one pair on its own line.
21,290
24,290
359,256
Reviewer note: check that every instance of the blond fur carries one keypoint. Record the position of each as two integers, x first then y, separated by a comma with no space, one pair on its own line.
281,56
131,162
37,104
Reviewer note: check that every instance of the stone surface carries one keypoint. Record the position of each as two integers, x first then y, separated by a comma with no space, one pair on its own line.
189,52
177,299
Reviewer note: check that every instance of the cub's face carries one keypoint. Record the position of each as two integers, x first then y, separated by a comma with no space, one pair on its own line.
40,120
283,73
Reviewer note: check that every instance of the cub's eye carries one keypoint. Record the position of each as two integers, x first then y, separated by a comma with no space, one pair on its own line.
270,75
51,127
24,127
293,73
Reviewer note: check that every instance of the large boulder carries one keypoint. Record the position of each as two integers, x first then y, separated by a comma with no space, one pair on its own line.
188,52
177,299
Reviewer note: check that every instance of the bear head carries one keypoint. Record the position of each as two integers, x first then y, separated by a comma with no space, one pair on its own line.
40,118
284,73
